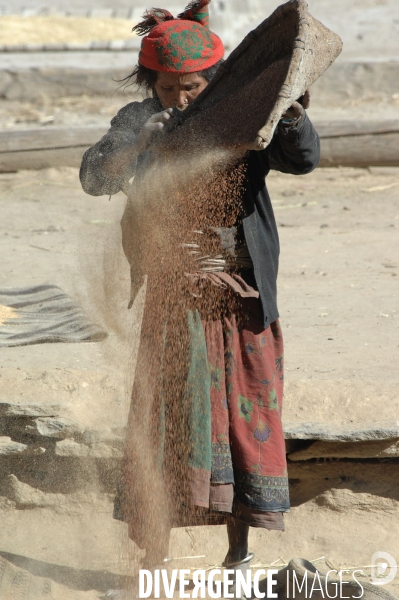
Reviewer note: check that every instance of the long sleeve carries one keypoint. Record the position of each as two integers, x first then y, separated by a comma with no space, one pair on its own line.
125,127
295,149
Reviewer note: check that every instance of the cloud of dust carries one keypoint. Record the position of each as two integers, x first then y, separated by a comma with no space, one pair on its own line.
102,281
167,202
170,200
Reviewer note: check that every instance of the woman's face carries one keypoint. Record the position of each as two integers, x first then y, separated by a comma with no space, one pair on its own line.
178,90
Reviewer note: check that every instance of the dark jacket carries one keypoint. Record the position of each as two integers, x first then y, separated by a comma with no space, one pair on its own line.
125,127
295,149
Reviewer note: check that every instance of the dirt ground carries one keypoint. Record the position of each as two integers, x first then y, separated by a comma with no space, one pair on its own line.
338,290
339,266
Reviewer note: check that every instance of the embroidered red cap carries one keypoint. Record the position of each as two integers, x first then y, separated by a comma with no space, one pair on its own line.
179,45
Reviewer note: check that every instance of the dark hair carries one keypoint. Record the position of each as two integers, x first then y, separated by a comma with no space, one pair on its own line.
144,77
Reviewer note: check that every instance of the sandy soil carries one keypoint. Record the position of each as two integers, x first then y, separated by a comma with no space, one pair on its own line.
339,266
90,549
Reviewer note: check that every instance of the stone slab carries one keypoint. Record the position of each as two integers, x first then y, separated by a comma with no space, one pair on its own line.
349,143
310,407
9,447
18,409
341,410
57,428
359,151
42,159
71,449
330,433
371,449
57,138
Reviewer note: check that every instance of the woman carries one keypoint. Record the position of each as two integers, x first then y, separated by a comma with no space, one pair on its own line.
243,481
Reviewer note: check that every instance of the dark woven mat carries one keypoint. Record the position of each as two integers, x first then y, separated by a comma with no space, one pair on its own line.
41,314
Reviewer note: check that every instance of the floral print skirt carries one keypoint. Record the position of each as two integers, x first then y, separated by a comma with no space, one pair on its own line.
247,372
205,436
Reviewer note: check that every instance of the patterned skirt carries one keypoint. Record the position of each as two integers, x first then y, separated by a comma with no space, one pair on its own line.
205,436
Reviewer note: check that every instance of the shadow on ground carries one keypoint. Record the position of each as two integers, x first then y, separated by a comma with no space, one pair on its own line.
76,579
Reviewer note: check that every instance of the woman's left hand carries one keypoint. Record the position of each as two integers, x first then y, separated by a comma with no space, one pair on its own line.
298,108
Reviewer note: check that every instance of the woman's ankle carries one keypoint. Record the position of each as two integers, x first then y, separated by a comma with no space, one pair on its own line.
236,554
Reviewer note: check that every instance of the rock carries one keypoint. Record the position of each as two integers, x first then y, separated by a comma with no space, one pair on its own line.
347,500
27,497
8,409
97,450
372,449
54,427
71,448
8,446
337,433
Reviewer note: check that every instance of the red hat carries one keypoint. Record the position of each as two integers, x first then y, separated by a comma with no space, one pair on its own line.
182,45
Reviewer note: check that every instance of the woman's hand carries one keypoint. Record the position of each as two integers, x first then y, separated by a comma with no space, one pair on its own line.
154,125
297,109
117,164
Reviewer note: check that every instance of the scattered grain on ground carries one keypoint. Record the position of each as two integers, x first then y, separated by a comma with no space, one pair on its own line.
61,30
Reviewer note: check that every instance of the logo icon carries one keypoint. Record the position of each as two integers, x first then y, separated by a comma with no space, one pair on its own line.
383,568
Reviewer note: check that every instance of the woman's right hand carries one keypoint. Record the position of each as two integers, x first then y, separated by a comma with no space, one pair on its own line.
117,164
155,125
